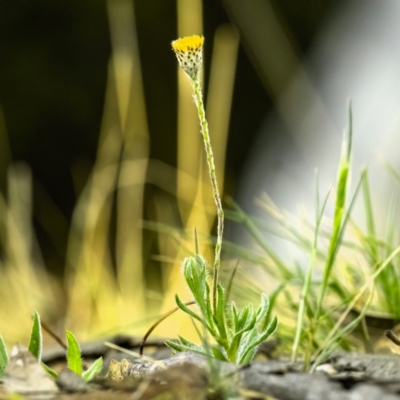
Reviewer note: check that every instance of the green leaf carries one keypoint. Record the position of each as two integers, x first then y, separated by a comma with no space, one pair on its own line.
3,357
220,312
190,275
94,369
49,370
35,342
186,309
195,273
209,313
176,346
249,356
249,324
259,339
74,358
235,316
191,345
268,332
183,348
218,354
186,342
244,315
248,317
263,310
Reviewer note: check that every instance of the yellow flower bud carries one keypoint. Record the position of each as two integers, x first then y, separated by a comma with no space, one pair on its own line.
189,52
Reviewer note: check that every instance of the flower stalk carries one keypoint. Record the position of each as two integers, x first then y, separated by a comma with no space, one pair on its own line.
236,332
189,52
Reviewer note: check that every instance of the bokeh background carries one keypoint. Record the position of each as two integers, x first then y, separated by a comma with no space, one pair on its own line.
102,175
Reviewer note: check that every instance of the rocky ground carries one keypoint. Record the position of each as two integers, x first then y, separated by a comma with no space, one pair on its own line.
186,376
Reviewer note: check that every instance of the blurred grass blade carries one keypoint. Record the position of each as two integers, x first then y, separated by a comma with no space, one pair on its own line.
391,170
309,273
259,238
74,358
230,282
332,344
35,342
370,280
3,357
94,369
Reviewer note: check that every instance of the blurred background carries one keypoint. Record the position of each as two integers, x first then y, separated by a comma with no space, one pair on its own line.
102,174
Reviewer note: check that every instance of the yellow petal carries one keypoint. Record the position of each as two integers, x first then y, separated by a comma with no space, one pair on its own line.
188,43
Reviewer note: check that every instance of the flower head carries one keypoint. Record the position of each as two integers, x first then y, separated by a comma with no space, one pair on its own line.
189,52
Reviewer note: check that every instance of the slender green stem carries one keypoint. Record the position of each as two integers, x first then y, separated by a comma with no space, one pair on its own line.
213,177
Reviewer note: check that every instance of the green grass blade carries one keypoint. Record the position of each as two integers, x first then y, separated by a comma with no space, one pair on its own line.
309,274
338,218
370,281
3,357
94,369
74,358
369,216
35,341
391,303
332,344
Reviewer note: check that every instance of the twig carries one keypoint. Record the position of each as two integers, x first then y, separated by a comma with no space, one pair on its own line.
154,326
391,335
54,335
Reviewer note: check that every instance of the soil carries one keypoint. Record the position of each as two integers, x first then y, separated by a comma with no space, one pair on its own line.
185,376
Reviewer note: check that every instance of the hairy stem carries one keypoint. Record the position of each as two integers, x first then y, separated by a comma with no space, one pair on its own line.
213,177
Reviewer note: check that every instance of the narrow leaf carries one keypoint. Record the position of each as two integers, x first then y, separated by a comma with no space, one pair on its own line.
218,354
49,370
249,356
183,348
35,342
251,321
209,313
263,310
186,309
235,317
3,357
186,342
190,345
259,339
74,358
94,369
220,312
